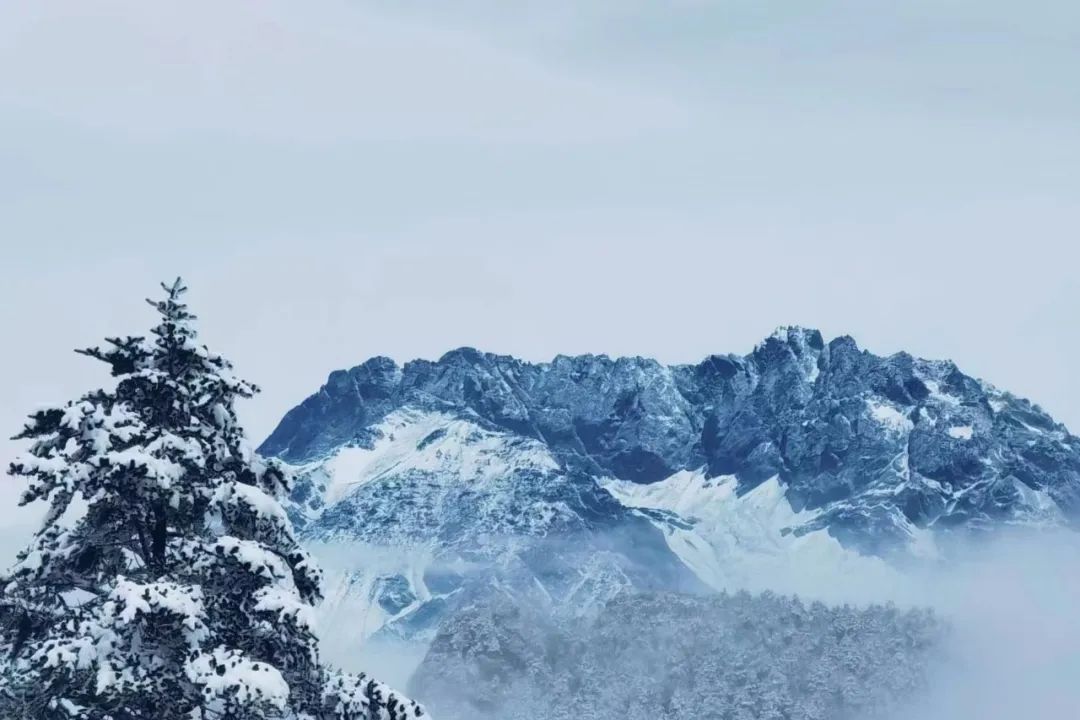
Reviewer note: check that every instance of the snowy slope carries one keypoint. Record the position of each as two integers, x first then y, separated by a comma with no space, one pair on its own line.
438,508
737,542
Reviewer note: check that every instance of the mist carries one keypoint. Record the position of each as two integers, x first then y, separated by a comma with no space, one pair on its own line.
1014,645
1006,635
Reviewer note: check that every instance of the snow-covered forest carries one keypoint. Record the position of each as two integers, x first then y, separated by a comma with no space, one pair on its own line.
723,657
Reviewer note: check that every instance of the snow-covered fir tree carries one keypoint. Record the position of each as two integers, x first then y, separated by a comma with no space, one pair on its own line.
165,581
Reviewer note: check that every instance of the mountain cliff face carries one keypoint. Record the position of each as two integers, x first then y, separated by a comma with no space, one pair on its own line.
577,479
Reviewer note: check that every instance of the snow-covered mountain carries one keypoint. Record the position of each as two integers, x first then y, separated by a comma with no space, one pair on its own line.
439,507
575,480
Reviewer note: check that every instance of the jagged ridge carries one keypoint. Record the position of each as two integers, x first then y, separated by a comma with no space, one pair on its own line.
877,447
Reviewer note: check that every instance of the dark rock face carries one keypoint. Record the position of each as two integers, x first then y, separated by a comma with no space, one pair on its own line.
394,593
879,445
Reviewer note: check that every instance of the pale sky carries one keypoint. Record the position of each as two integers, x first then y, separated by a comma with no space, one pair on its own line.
337,180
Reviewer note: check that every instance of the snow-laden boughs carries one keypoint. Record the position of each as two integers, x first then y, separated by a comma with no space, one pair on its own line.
347,696
165,581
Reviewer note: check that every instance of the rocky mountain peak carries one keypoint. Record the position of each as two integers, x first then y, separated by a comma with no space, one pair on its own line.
572,482
839,426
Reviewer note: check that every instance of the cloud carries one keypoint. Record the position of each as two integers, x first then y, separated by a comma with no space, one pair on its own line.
342,179
1014,649
325,72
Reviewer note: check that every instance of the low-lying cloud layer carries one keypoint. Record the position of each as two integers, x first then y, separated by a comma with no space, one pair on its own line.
1010,645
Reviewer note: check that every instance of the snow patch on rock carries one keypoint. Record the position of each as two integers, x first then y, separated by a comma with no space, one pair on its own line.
747,542
889,417
961,432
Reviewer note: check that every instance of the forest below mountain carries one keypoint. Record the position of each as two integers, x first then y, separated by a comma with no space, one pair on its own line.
721,657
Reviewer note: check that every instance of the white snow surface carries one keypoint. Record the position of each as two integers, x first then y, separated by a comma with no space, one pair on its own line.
739,542
940,395
962,432
891,418
451,453
229,674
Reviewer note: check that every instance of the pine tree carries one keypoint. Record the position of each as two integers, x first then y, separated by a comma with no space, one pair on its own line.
165,581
